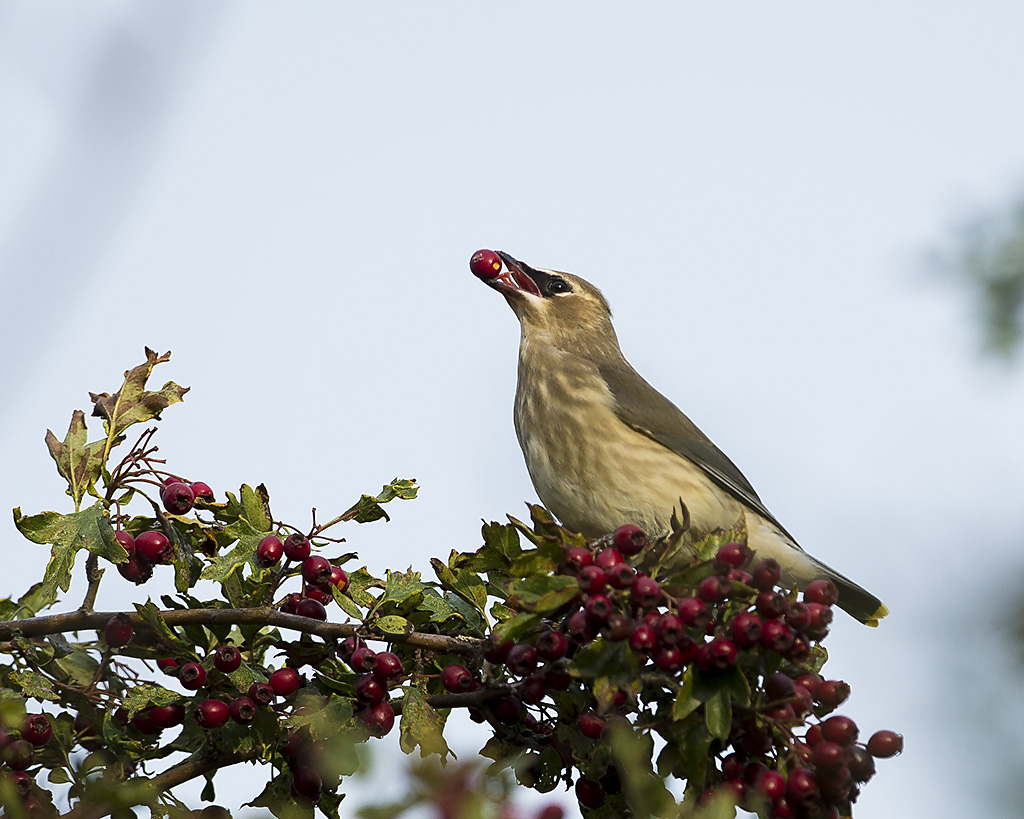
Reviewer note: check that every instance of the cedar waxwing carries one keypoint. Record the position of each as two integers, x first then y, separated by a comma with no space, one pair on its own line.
604,448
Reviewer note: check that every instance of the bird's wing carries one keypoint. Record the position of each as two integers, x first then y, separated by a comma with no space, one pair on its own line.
649,412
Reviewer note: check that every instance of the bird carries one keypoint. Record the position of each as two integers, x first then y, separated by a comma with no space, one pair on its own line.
604,448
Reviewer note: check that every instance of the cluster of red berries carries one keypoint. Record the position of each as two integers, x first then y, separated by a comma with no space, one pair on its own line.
18,753
179,497
320,578
731,617
379,670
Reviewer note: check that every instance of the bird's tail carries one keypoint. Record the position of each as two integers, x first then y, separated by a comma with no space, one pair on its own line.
855,600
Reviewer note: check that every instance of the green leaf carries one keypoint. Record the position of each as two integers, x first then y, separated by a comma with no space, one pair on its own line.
393,624
78,667
422,726
466,584
685,702
58,776
603,658
133,403
402,591
368,508
78,462
644,791
87,529
718,714
35,685
151,613
144,695
256,507
358,582
542,594
244,552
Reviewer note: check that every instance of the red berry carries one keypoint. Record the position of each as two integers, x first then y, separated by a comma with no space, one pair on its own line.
798,616
227,659
153,547
576,558
363,660
839,729
522,660
23,785
823,592
884,744
135,569
388,665
261,693
801,789
552,645
645,592
617,627
192,676
771,604
167,716
621,576
202,491
316,570
380,718
370,691
767,574
590,793
607,558
779,686
507,710
735,555
126,540
308,607
19,755
307,784
269,552
291,603
339,579
551,812
629,539
322,595
776,635
590,725
861,763
242,710
771,785
832,693
828,755
37,729
745,630
644,639
497,650
456,678
296,546
168,665
285,681
118,631
557,678
598,607
669,658
592,579
211,714
694,612
178,497
580,627
533,689
143,722
717,655
670,629
485,265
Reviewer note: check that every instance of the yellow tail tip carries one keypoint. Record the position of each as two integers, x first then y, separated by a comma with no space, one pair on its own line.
880,612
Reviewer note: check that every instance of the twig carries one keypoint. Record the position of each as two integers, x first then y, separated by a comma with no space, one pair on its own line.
93,573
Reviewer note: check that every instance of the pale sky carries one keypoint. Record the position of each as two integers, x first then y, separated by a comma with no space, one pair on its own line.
287,197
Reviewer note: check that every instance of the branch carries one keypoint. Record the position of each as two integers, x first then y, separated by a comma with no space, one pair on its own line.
169,779
96,620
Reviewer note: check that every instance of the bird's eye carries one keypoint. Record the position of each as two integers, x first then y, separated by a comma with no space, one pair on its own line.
557,285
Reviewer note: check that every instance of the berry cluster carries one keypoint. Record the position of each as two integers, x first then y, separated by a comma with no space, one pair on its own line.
726,618
320,577
18,752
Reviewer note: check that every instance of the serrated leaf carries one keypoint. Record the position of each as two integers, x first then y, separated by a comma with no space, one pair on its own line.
144,695
603,658
133,403
78,462
150,612
542,594
358,582
243,553
422,726
718,714
393,624
78,667
403,590
87,529
35,685
256,507
466,584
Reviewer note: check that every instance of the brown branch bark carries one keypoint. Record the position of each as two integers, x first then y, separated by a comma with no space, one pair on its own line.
96,620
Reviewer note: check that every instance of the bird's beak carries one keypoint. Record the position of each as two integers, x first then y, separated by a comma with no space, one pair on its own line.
515,280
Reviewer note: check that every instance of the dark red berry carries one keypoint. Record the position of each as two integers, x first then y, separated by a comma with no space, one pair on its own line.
590,793
167,716
557,678
884,744
322,595
296,546
776,635
118,631
242,710
192,676
269,552
456,678
211,714
669,658
497,650
839,729
621,576
485,265
771,604
37,729
590,725
168,665
533,689
810,681
645,592
670,629
308,607
767,574
261,693
363,660
771,785
316,570
823,592
153,547
617,627
828,755
285,681
552,645
860,762
576,558
290,604
717,655
801,789
19,755
339,578
522,660
798,616
580,627
370,691
388,665
202,491
178,498
629,539
135,569
126,540
735,555
23,785
507,710
607,558
745,630
694,612
592,579
227,659
143,722
380,718
598,607
644,639
779,686
307,784
832,693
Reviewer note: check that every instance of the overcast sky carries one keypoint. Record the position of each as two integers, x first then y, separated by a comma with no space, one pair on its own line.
287,197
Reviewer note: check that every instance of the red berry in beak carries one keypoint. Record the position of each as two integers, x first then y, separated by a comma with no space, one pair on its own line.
485,264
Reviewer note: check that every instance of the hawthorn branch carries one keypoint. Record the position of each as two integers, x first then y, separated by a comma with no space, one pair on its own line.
265,616
171,778
93,573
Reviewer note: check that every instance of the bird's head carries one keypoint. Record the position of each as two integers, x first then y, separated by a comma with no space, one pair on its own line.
557,309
